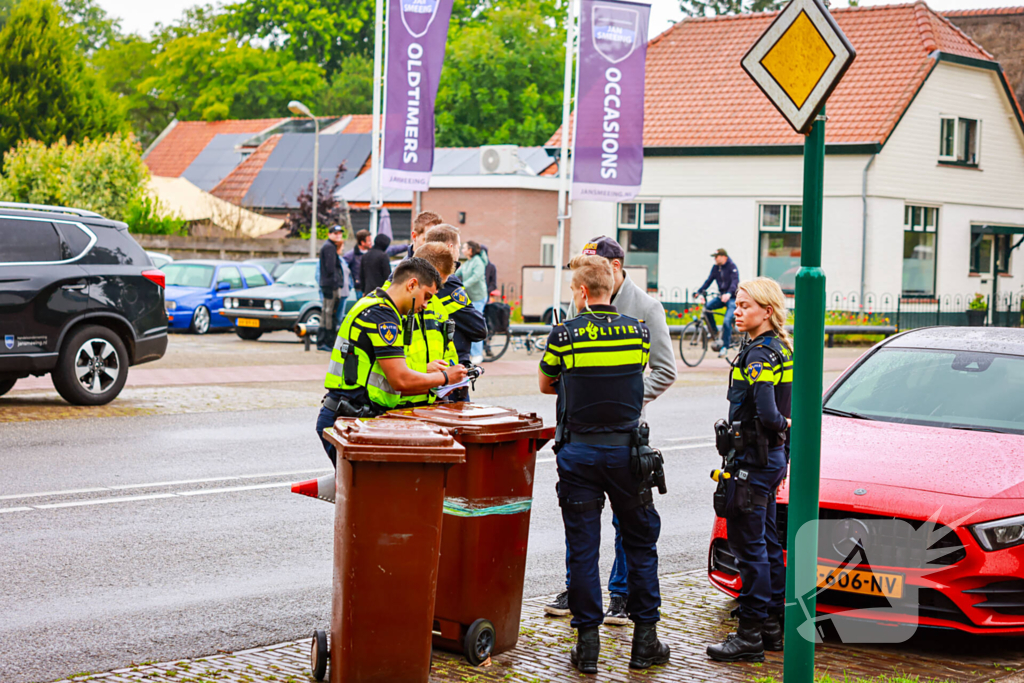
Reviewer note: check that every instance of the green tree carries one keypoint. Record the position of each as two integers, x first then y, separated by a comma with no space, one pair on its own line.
351,89
210,76
703,8
320,31
124,64
502,79
46,88
105,175
95,27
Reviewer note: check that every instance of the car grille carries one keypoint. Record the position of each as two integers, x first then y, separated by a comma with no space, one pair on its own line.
250,303
889,543
722,559
1004,597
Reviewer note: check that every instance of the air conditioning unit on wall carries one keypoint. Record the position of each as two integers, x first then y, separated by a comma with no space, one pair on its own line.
499,159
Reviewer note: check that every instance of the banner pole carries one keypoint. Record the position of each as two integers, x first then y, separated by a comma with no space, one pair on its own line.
378,83
563,163
805,469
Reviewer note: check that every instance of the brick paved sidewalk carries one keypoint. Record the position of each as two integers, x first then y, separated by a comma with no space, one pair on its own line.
694,615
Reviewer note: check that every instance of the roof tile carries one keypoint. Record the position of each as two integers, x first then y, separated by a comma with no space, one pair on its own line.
236,184
183,143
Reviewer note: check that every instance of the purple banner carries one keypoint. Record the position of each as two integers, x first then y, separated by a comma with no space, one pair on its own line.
417,36
608,135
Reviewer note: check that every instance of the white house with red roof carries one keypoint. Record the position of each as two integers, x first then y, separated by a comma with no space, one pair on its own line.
924,170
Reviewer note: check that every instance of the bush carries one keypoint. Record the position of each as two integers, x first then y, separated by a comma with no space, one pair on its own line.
978,303
143,218
104,176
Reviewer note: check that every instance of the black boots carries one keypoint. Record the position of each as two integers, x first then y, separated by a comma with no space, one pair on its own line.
771,633
584,654
743,646
647,649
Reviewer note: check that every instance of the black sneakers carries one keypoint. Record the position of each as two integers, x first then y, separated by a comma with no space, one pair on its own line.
616,614
560,607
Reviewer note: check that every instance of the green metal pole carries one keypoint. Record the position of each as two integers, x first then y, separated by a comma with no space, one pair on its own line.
805,467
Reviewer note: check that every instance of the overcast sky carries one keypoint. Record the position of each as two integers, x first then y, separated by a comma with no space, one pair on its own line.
140,16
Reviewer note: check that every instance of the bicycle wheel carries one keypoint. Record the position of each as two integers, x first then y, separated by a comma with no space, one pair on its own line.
495,346
693,344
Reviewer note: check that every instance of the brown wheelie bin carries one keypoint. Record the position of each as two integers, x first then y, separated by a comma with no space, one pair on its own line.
387,532
486,525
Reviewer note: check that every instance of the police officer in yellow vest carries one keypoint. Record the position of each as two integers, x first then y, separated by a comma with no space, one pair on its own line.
595,363
368,374
755,446
433,333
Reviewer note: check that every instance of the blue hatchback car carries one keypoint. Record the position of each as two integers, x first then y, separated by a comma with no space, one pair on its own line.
196,289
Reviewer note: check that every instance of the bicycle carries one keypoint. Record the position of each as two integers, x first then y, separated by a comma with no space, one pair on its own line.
696,337
498,342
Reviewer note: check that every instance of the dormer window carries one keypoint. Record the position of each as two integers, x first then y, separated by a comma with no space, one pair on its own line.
959,141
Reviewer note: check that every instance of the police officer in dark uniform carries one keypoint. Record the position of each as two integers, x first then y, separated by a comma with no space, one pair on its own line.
368,374
595,364
755,445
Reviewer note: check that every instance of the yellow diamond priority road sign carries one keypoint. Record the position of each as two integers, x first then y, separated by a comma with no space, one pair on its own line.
799,60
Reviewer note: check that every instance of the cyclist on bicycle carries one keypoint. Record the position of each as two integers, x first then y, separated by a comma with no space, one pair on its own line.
727,276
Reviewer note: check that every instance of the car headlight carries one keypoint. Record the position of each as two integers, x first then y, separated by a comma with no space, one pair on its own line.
235,303
278,305
1001,533
227,303
267,304
171,305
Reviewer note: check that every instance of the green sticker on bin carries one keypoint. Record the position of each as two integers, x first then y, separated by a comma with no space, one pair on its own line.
483,507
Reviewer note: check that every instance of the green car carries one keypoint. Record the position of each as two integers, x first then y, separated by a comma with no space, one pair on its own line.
293,298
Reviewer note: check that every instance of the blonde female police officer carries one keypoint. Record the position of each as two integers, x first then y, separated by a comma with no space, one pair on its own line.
759,398
595,363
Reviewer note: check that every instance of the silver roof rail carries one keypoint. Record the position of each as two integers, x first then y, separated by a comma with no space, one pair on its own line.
46,207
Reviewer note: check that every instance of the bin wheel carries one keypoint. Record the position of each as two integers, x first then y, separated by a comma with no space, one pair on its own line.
319,654
479,642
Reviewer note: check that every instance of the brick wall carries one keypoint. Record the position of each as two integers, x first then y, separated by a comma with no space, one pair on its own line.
509,221
1003,36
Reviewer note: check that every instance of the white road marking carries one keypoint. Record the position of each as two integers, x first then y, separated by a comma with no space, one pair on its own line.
103,501
207,492
122,487
709,444
3,510
546,460
688,438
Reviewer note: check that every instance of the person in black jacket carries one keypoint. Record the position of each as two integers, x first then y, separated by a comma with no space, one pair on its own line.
727,276
490,273
376,266
333,286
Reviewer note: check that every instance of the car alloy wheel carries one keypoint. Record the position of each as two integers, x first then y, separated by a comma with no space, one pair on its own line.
201,320
97,366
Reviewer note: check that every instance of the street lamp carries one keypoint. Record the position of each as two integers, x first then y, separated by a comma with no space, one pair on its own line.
299,109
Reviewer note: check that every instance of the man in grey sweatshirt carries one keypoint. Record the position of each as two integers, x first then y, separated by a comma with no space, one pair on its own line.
628,299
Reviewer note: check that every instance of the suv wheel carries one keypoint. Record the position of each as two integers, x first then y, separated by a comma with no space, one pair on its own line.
248,333
6,385
92,367
200,321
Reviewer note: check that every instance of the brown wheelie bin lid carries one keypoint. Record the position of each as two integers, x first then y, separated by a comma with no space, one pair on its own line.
389,440
477,423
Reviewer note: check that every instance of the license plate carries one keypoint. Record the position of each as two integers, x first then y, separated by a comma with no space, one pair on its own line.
247,322
860,581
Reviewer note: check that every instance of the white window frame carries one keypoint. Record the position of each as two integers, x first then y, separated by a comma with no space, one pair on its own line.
640,214
784,225
548,241
923,227
958,142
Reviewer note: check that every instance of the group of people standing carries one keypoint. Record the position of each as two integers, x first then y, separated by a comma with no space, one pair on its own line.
413,333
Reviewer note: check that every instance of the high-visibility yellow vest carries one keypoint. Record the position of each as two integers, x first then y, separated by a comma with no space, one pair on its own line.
382,336
429,343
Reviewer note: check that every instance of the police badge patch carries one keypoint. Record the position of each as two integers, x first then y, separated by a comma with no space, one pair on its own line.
460,297
388,332
754,371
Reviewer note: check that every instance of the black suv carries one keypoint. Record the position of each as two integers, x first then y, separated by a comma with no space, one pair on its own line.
79,299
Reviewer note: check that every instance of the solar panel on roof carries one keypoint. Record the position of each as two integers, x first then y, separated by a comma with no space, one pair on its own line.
216,161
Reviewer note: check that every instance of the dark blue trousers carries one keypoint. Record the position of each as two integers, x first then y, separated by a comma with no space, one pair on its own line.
617,583
586,474
754,541
324,420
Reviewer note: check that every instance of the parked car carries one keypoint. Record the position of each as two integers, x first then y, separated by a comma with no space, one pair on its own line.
159,260
922,462
79,300
294,298
196,291
275,266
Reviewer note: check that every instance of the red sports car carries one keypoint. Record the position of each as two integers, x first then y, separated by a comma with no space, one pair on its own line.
922,464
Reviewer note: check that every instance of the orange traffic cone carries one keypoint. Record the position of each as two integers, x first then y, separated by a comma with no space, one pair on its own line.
322,488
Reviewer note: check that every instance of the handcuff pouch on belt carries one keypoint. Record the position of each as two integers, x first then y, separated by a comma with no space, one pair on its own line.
646,463
748,436
734,495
